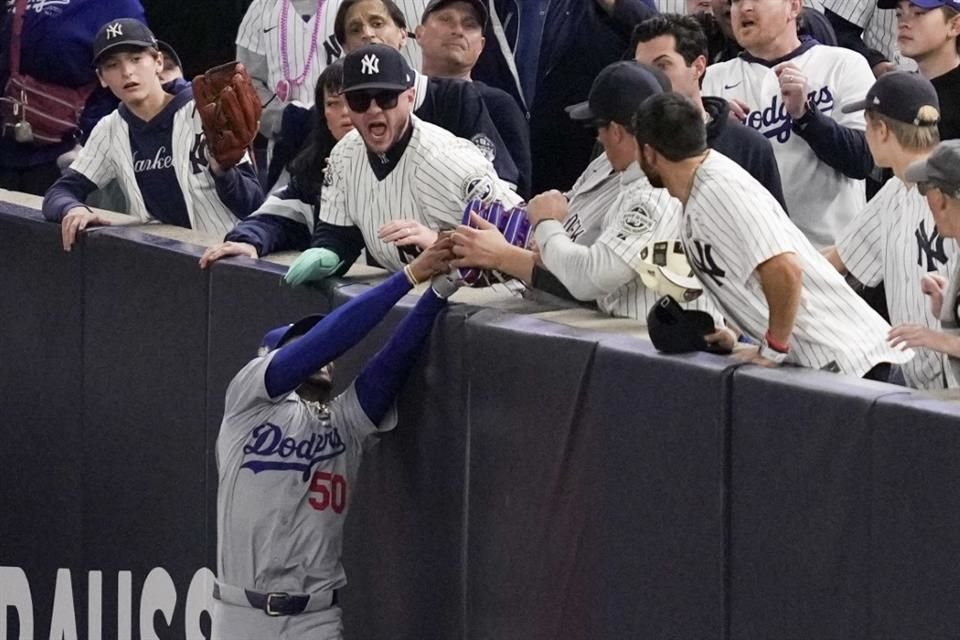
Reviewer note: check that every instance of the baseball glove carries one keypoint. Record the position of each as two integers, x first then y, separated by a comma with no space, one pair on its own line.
229,110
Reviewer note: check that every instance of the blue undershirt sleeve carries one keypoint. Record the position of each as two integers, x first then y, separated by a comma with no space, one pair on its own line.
269,234
380,381
345,241
332,336
70,190
239,189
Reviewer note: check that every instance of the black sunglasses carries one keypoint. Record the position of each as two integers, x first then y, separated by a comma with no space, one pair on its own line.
359,101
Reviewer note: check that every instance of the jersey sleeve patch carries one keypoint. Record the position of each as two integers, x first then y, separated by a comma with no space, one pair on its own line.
634,222
477,186
486,146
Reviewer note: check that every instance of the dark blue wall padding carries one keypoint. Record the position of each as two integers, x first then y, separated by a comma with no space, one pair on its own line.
915,507
653,546
800,505
41,446
145,353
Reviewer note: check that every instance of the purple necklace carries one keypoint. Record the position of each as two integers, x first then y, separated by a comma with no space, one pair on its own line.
284,85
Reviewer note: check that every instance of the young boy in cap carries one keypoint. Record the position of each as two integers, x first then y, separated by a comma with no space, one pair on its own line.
927,32
894,238
153,144
938,178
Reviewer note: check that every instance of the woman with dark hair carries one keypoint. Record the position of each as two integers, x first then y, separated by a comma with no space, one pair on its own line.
286,220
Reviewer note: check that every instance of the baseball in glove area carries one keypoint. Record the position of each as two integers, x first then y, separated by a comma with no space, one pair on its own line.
229,110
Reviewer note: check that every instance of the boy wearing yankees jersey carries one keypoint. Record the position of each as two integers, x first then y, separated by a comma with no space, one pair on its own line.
288,456
153,145
394,181
766,277
894,239
938,178
791,90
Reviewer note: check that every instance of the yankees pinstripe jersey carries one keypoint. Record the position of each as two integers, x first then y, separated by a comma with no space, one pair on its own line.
894,240
671,6
731,225
287,470
589,200
879,25
260,33
641,214
176,177
950,323
434,179
820,199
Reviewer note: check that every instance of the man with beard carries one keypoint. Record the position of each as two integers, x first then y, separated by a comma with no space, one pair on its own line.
394,181
288,456
766,277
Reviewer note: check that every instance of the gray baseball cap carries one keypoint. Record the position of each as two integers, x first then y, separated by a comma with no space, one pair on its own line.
941,169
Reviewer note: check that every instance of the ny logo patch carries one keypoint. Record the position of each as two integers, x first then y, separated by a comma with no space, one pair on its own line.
114,30
704,263
930,246
370,65
332,49
198,155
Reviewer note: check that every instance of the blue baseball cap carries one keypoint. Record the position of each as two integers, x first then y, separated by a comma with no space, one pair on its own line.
125,32
618,91
279,336
923,4
902,95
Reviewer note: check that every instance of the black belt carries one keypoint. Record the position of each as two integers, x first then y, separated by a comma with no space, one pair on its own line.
275,603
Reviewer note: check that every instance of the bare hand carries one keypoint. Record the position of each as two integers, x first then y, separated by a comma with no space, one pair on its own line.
407,232
738,109
935,286
76,221
883,67
723,339
793,88
752,355
915,335
225,250
480,247
550,205
434,260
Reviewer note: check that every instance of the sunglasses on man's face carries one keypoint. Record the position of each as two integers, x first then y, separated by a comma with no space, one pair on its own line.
359,101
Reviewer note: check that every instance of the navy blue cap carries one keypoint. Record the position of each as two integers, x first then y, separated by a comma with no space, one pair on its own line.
125,32
674,329
903,96
617,92
478,5
376,66
279,336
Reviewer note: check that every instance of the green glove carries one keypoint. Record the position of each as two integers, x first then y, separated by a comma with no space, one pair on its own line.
313,265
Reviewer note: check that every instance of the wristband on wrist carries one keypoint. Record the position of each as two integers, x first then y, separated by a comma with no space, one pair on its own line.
770,341
412,279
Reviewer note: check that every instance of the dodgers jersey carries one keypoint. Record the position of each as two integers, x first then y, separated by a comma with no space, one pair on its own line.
109,155
287,470
821,200
731,225
640,215
894,240
435,178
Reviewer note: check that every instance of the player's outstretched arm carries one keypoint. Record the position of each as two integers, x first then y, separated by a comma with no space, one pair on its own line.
380,381
781,278
482,246
348,324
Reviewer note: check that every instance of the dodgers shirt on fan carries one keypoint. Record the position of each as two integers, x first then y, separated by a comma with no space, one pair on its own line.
821,200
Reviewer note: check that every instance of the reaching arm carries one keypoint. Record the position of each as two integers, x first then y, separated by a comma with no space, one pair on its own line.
380,381
330,338
587,272
840,147
239,189
781,278
70,191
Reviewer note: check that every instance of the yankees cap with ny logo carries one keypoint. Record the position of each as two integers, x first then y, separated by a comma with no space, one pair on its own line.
376,66
125,32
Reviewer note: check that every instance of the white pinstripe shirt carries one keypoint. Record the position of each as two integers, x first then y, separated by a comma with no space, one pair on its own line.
731,225
894,240
107,155
434,180
879,25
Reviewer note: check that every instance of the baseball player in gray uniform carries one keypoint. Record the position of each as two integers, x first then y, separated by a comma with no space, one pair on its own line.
394,181
288,455
767,278
894,239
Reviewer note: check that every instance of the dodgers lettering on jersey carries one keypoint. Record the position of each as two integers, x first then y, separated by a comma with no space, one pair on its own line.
821,200
287,471
730,226
435,178
895,240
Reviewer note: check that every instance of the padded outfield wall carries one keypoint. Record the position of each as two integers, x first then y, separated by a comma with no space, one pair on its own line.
545,481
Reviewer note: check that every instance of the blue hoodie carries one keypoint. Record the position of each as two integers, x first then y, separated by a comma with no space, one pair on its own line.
57,46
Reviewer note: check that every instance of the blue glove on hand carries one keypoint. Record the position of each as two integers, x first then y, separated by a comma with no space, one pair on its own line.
313,265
